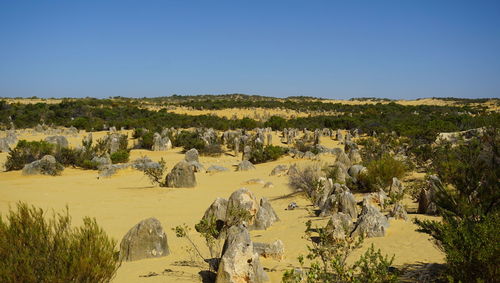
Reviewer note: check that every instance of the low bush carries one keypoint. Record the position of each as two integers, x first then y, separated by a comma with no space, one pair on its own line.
380,173
306,180
157,174
329,256
34,248
26,152
261,154
146,140
468,202
188,140
120,156
212,150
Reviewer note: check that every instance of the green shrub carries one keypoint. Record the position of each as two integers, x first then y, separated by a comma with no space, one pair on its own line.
138,132
329,256
120,156
380,173
26,152
261,154
33,249
468,201
68,156
212,150
147,140
188,140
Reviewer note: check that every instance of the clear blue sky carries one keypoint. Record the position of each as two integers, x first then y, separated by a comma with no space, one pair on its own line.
335,49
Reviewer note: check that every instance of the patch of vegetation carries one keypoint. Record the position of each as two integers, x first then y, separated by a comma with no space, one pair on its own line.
329,256
468,201
34,248
157,174
261,154
120,156
379,174
26,152
306,180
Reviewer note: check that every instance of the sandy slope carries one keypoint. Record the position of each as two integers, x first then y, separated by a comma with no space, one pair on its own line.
121,201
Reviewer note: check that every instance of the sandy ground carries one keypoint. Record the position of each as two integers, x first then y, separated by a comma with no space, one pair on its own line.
119,202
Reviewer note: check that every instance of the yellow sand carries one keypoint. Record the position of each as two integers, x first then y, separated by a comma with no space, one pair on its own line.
119,202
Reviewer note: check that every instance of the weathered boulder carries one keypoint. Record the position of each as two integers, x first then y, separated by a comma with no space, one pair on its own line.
181,176
144,163
192,155
109,170
344,159
354,156
342,201
399,212
274,250
4,145
265,216
242,199
161,143
146,239
355,170
279,170
247,152
396,187
47,165
59,141
101,161
216,168
245,165
114,144
239,262
218,210
426,204
339,226
371,223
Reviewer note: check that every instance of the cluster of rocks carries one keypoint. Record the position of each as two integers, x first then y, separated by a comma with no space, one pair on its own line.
161,142
261,214
61,131
240,257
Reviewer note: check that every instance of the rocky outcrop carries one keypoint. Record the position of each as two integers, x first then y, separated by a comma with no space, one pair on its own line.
274,250
339,226
279,170
399,212
161,143
342,201
265,216
426,204
239,262
216,168
47,165
192,155
146,239
371,223
181,176
245,165
355,170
